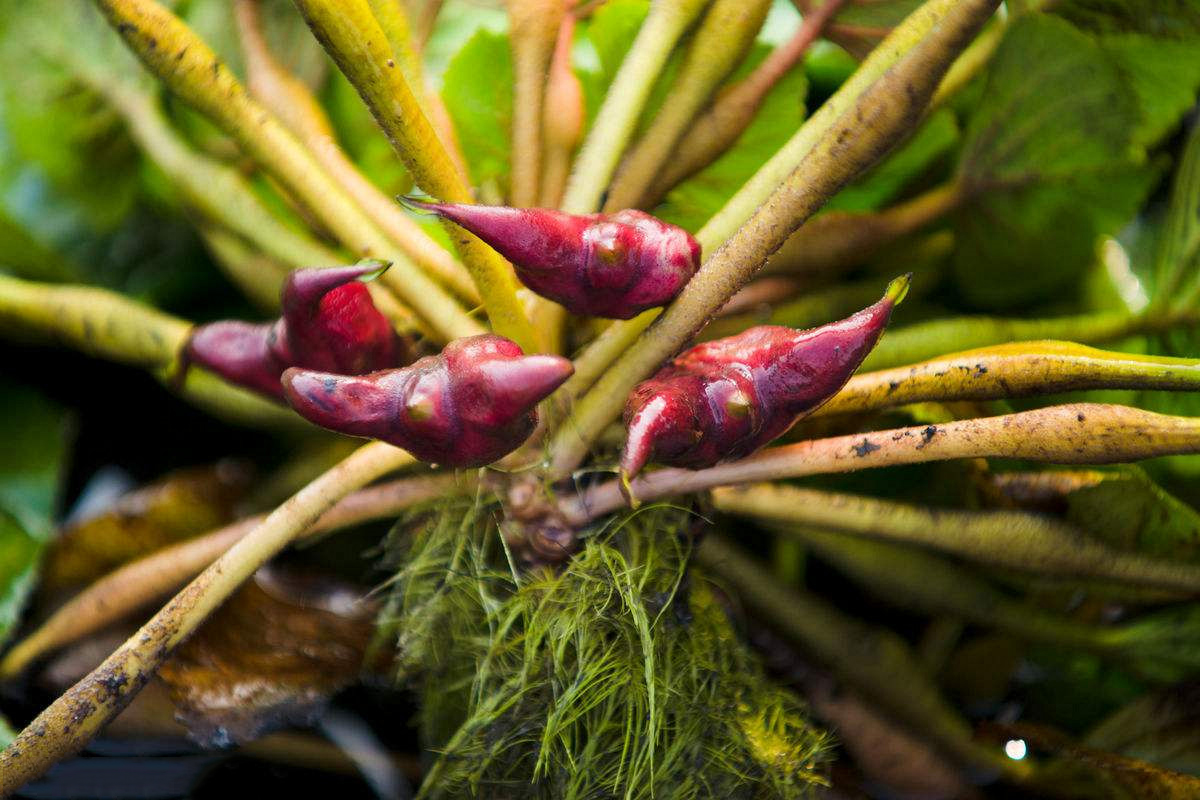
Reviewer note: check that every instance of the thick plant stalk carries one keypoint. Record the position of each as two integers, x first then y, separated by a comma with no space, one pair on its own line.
926,22
1013,370
533,27
1017,540
883,114
95,321
156,575
928,340
618,114
77,716
296,107
875,660
718,46
716,130
562,118
396,24
349,32
1078,433
108,325
190,69
393,20
619,337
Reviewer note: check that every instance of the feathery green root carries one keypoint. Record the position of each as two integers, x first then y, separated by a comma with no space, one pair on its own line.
617,676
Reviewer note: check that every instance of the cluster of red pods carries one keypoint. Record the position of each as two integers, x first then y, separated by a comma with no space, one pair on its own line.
334,358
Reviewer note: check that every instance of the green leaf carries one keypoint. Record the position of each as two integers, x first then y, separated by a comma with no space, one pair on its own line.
482,109
612,30
1163,73
19,552
457,22
31,463
693,202
1175,19
28,258
1050,164
57,122
1030,242
33,430
1176,259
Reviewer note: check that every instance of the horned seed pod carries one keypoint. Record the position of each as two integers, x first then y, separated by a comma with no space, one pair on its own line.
727,398
329,323
468,406
598,265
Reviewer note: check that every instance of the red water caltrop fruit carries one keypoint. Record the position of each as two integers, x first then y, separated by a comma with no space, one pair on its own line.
468,406
598,265
329,323
727,398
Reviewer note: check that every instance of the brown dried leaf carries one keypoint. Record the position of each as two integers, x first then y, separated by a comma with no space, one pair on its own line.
183,504
271,656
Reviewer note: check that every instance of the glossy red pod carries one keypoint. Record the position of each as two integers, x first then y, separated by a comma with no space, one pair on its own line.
599,265
240,352
468,406
727,398
329,322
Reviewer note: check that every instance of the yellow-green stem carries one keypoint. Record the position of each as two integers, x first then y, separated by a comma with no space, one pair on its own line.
349,32
1079,433
719,44
113,327
154,576
925,340
1013,370
883,114
532,29
190,69
618,114
718,128
393,20
396,24
72,720
293,102
1018,540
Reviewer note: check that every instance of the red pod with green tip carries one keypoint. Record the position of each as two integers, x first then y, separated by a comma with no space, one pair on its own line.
329,323
468,406
727,398
599,265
